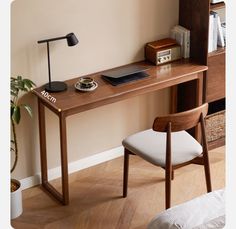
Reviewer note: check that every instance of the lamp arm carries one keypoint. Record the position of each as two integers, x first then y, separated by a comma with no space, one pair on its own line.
51,39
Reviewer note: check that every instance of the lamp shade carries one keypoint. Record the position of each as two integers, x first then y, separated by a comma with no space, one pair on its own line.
71,39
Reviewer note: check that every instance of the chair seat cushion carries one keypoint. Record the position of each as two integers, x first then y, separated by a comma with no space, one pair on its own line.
151,146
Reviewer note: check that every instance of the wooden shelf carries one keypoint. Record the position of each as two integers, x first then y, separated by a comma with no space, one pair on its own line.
217,6
219,51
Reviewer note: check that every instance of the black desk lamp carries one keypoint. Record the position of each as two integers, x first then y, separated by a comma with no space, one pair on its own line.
57,86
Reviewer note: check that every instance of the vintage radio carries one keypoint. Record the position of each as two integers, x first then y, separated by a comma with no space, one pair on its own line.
162,51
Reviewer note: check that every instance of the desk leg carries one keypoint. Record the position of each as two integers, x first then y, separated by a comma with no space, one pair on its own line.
187,96
64,162
199,90
42,139
64,197
199,101
174,101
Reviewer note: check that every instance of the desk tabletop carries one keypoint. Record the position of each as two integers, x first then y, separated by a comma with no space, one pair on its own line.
73,101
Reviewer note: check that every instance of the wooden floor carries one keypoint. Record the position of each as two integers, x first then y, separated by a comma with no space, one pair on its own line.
96,201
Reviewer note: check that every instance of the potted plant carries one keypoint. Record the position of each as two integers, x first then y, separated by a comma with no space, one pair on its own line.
18,86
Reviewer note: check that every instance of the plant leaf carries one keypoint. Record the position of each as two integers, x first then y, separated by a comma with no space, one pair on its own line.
21,85
28,108
18,84
28,83
13,93
19,78
16,114
12,109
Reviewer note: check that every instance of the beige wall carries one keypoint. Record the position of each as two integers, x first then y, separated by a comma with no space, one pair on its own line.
111,33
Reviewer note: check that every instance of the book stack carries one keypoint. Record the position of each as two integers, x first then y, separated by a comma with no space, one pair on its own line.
216,32
182,36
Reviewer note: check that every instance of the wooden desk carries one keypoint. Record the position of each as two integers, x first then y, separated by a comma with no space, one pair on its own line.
72,101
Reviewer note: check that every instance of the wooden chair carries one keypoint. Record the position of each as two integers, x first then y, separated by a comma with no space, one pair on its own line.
169,146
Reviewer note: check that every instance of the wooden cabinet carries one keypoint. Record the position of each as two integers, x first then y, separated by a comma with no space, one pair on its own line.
215,81
194,15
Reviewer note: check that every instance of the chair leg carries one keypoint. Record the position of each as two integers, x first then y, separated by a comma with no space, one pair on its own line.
205,156
207,172
168,187
126,173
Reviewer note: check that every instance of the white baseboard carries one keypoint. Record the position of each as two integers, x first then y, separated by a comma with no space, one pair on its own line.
74,166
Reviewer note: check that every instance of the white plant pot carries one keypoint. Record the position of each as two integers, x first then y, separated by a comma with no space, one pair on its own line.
16,201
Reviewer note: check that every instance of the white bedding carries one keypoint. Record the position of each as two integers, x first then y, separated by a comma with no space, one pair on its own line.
204,212
216,223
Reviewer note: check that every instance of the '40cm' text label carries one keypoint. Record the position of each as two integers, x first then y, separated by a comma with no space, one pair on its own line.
48,96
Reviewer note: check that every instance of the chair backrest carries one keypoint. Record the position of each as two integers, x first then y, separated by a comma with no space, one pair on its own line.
181,121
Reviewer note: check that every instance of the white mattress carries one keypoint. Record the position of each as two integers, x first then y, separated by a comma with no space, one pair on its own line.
204,212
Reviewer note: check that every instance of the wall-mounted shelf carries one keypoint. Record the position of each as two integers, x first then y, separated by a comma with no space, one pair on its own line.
217,6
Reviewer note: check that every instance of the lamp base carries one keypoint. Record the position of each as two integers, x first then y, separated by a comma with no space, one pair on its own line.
55,86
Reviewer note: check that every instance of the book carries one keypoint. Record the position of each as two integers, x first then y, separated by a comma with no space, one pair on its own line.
182,36
179,39
223,26
220,35
213,22
210,34
216,1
